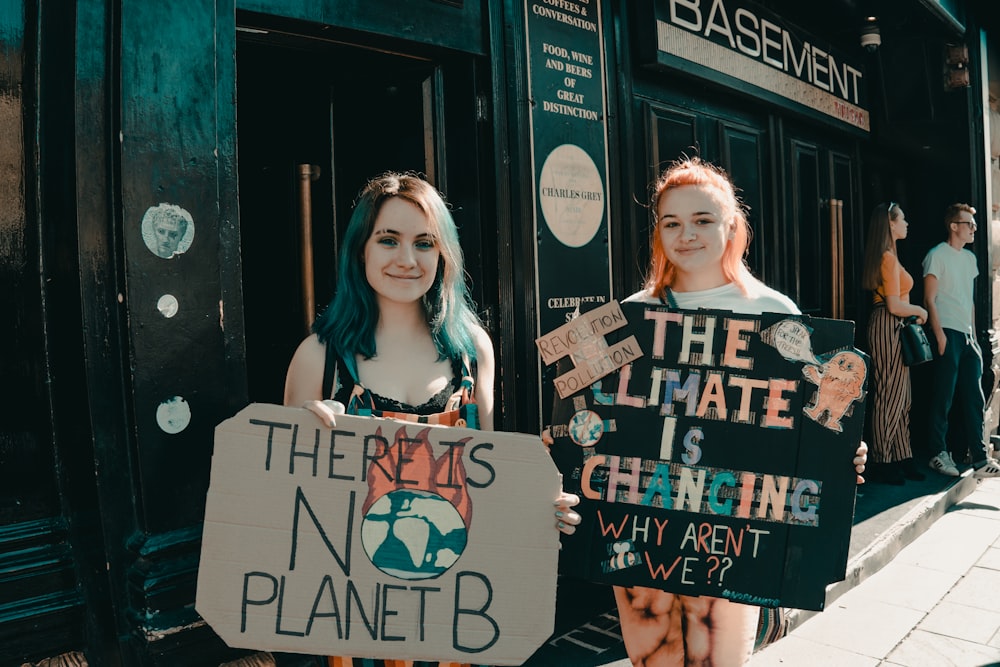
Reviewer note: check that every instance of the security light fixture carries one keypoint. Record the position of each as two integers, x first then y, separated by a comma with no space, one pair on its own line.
871,36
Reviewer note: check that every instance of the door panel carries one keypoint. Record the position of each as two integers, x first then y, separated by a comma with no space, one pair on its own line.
821,218
736,146
320,105
744,157
807,231
673,132
46,458
842,172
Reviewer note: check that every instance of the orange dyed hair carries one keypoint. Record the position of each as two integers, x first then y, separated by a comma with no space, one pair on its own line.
695,171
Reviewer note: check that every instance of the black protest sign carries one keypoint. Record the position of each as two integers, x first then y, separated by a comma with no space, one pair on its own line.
378,538
719,462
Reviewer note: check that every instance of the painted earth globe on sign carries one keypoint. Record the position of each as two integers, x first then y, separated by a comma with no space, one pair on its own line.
586,428
412,534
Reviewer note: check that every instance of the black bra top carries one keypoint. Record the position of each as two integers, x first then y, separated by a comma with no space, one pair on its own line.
335,368
433,405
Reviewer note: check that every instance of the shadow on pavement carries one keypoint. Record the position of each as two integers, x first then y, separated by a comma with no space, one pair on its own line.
587,633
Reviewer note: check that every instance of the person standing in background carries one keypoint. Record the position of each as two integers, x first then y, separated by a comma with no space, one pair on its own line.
950,272
891,455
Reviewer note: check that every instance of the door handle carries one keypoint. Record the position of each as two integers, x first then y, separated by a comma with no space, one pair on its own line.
837,258
307,173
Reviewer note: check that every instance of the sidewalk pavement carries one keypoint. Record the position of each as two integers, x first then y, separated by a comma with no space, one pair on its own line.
856,630
935,604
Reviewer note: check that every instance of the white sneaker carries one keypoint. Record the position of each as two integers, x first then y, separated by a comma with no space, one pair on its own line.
988,469
943,464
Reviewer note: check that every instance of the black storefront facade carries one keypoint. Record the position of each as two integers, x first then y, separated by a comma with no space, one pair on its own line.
256,123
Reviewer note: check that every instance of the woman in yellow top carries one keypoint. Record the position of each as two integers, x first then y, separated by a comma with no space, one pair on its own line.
891,458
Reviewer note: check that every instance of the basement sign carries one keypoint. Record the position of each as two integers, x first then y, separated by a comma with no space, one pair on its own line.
756,51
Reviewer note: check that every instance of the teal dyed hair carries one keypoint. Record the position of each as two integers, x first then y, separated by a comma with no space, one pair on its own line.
348,324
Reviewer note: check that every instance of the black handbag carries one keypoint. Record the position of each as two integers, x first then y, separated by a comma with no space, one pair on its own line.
916,347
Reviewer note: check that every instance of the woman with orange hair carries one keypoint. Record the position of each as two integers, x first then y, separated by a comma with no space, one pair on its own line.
699,239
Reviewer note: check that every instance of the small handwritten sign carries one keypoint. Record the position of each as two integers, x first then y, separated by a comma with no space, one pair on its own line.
720,463
583,341
378,538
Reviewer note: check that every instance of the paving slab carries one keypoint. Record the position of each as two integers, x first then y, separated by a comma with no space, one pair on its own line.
886,520
935,604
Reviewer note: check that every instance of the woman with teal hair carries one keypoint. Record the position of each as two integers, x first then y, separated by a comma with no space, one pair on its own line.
401,326
351,321
401,337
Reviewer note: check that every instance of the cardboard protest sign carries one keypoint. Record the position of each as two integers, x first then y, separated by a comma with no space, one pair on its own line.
719,462
583,341
378,538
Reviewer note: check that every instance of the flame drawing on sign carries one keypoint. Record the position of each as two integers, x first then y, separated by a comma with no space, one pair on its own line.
410,463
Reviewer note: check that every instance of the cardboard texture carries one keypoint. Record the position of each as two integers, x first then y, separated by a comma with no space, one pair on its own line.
719,462
583,341
378,538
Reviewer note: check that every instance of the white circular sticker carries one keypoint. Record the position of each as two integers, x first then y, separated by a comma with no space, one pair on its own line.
167,305
173,415
572,195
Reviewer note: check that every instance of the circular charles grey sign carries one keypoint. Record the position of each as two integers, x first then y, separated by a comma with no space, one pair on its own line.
571,193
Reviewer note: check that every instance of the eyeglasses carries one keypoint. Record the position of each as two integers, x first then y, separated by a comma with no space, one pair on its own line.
972,224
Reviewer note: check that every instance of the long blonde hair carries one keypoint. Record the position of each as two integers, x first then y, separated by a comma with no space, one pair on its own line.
695,171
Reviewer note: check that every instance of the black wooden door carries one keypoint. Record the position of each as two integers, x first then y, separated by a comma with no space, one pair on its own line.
349,113
54,593
819,226
802,201
738,143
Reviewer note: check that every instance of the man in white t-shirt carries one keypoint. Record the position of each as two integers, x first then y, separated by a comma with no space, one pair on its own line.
949,278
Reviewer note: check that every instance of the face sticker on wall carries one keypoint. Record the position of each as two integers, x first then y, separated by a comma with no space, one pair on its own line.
173,415
167,305
167,230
